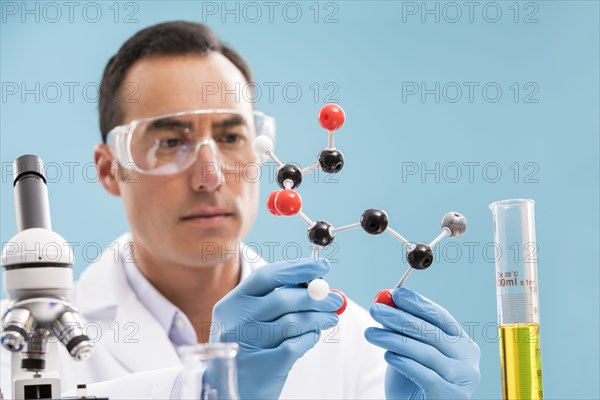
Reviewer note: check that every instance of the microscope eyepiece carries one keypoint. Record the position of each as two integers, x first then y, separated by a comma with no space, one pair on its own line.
28,164
31,193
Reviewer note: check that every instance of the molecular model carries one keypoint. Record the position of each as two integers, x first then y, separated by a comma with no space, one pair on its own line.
287,202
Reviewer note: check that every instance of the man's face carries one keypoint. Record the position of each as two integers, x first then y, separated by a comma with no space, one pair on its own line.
191,218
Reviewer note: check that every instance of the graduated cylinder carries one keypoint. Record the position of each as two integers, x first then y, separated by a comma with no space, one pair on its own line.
517,299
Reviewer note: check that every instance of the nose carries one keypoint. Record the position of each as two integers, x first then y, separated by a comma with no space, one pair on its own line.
206,171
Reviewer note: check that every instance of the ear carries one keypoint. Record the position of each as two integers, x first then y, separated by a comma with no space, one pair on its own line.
108,169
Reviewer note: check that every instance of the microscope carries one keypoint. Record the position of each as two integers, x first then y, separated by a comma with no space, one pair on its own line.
38,276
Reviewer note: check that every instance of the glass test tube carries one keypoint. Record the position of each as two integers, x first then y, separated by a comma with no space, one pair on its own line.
517,299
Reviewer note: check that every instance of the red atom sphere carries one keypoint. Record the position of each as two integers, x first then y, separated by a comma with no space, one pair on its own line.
271,203
331,117
288,202
385,297
343,307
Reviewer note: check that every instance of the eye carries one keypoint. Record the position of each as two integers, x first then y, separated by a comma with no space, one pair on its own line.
231,138
169,143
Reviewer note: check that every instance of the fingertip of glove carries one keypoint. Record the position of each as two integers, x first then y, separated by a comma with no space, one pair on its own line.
337,298
332,302
378,309
390,357
323,262
320,264
402,291
375,335
369,332
403,294
334,319
373,309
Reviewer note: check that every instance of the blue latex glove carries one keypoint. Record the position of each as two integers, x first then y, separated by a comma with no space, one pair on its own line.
429,354
274,322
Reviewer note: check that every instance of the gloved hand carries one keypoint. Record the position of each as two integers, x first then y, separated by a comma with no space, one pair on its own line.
429,354
274,322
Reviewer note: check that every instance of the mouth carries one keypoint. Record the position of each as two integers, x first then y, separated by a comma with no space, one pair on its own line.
207,217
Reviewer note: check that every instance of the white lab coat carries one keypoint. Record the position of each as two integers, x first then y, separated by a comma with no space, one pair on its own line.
134,357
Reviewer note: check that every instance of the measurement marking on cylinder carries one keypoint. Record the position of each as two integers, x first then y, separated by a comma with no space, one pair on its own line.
507,282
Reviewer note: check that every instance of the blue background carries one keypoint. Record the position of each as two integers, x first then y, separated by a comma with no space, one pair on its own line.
364,54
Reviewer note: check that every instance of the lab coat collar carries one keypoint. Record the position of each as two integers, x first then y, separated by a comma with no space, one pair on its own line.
103,285
127,329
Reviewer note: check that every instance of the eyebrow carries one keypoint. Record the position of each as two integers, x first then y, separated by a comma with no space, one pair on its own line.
234,120
168,123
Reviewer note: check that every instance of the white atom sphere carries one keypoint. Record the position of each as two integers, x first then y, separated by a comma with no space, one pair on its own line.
318,289
262,145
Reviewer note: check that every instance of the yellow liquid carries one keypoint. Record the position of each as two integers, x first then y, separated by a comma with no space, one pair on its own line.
521,362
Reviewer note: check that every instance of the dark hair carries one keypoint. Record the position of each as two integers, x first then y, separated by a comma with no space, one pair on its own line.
165,39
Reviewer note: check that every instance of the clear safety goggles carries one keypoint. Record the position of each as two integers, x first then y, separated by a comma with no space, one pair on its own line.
169,143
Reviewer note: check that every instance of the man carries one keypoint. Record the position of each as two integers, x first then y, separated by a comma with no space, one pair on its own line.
162,288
